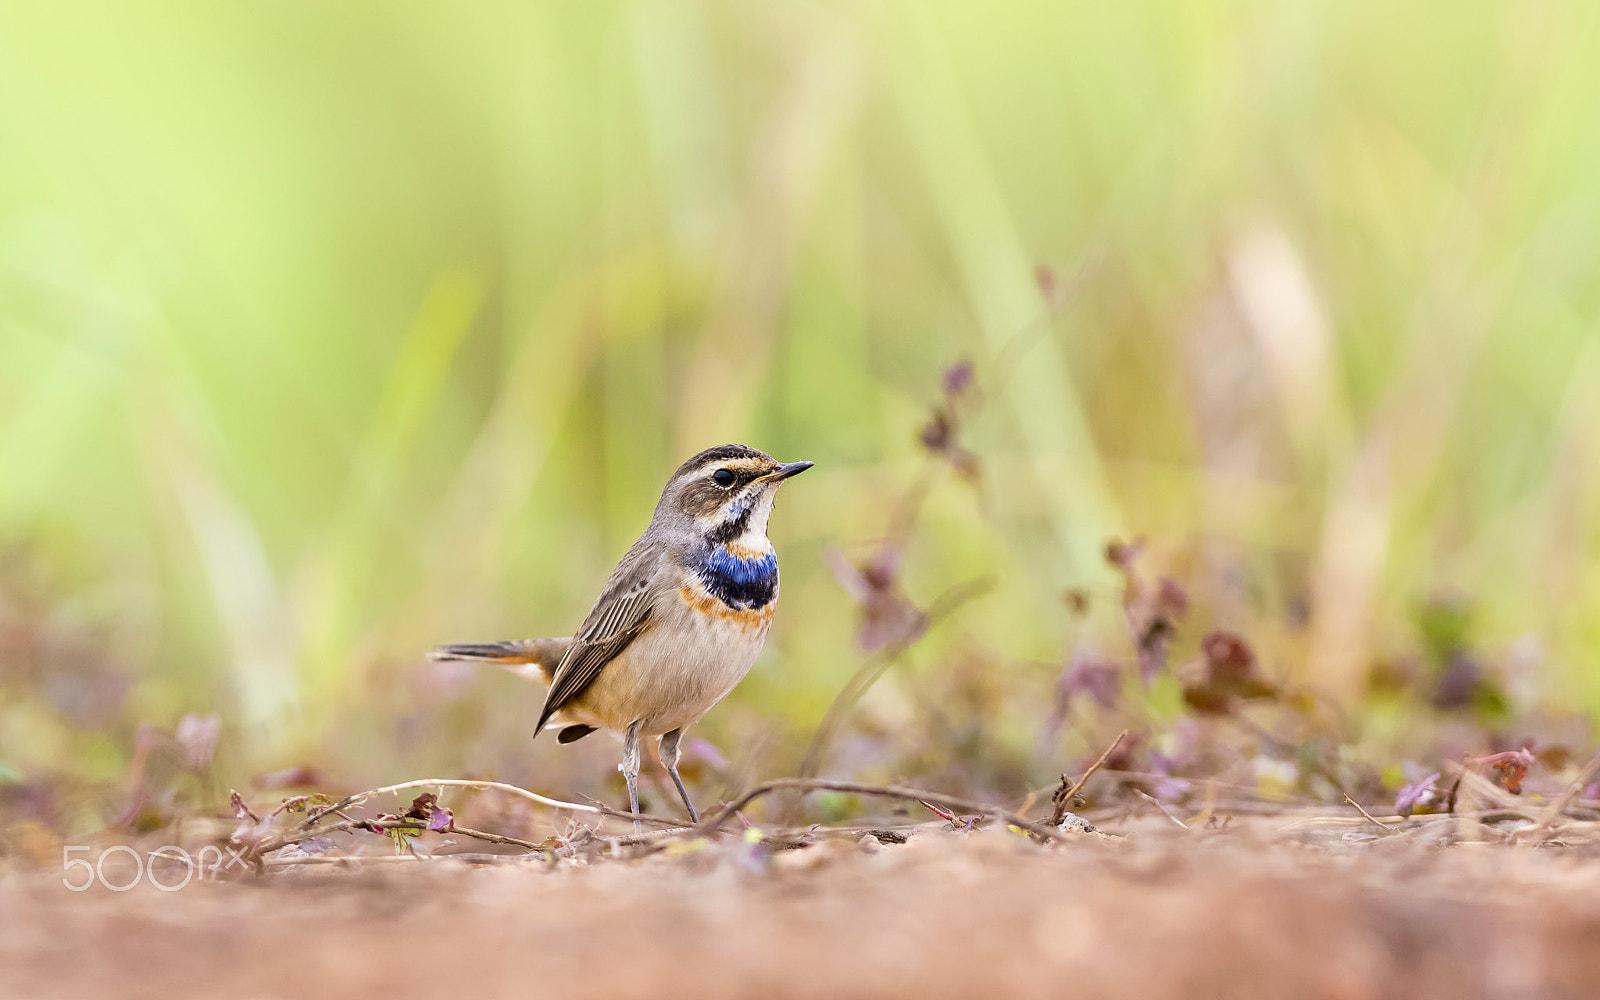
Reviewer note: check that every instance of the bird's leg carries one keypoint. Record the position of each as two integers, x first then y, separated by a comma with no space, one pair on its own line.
630,771
669,760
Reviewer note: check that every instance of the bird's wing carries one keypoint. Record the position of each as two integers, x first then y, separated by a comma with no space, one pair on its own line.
620,614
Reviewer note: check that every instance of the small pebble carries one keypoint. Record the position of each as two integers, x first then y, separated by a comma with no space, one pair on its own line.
1073,823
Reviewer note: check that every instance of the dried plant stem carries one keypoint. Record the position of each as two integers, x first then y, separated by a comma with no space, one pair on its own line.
714,822
1386,828
1064,802
384,826
499,786
357,860
493,838
1180,824
309,827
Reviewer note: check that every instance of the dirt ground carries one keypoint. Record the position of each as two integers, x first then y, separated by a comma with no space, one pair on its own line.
1158,914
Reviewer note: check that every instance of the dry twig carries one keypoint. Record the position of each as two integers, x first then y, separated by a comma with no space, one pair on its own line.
1062,800
309,827
360,797
1180,824
1371,818
382,826
714,822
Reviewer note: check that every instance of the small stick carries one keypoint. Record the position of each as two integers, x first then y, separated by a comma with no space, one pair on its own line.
1450,805
493,838
357,860
714,822
288,803
1180,824
1247,790
1065,802
1371,818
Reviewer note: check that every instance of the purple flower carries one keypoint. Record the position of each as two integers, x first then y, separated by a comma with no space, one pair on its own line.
703,750
1097,678
1415,795
957,378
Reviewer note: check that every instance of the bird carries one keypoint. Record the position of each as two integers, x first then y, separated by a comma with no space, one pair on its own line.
677,626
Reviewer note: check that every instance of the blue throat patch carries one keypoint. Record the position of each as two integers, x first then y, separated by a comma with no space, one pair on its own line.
740,570
746,584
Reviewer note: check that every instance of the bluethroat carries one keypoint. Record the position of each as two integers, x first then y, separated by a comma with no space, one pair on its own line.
679,623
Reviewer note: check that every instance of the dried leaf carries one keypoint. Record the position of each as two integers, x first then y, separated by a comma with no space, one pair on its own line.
887,615
1122,555
1205,700
938,433
426,807
1100,679
1077,600
1153,618
1089,674
1229,675
1171,601
942,432
1152,612
1553,756
1510,765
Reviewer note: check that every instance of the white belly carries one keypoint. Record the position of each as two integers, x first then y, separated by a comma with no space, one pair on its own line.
694,653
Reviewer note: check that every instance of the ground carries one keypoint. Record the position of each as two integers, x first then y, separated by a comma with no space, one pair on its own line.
1273,907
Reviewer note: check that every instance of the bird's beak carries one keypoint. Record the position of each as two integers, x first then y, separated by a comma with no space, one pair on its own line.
785,470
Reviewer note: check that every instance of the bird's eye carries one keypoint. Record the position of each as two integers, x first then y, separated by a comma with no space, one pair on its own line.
723,478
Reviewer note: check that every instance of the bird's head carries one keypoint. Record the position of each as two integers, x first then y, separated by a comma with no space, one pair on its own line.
726,492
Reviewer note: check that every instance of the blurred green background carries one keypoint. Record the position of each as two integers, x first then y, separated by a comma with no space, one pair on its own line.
329,333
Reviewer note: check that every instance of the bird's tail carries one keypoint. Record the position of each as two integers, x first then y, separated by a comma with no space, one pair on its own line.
535,659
